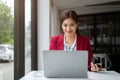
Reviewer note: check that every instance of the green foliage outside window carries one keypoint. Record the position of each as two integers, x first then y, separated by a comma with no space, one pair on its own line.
6,24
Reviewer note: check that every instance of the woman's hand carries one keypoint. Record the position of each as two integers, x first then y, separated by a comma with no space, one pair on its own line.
94,67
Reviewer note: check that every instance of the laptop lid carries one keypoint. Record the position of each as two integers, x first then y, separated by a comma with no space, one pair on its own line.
65,64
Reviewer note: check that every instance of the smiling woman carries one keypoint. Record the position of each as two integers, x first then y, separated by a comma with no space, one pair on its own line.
70,40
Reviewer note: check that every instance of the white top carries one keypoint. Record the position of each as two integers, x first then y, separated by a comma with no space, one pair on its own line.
101,75
66,46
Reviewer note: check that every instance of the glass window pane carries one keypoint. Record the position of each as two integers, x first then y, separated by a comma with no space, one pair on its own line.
27,36
105,29
86,27
117,29
6,39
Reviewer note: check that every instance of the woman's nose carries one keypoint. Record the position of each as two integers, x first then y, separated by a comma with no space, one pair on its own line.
68,28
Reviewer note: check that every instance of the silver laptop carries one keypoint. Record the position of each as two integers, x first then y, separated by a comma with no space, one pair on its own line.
65,64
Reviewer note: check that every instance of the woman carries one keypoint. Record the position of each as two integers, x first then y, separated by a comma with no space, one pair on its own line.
70,40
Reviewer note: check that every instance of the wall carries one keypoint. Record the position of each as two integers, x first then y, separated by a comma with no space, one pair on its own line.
43,28
55,28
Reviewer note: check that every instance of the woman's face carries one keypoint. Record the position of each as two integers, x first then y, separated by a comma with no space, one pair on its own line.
69,27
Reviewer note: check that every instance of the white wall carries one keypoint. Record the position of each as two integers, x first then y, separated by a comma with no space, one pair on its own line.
43,28
55,28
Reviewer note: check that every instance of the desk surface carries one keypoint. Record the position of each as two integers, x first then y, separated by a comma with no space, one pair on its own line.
101,75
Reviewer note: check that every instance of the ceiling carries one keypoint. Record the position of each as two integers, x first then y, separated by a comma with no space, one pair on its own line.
67,4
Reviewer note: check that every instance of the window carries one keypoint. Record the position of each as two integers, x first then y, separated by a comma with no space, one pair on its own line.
27,36
21,29
103,30
6,39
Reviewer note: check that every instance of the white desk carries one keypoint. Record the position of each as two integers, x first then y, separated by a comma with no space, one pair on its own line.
102,75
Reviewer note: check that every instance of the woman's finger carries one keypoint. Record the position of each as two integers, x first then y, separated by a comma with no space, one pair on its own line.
94,67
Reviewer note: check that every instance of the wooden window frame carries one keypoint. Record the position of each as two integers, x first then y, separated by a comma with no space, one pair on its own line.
19,37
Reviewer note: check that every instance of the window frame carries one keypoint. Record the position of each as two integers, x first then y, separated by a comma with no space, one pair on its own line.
19,37
103,46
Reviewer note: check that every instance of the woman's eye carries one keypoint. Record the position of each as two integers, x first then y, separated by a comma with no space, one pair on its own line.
65,25
72,25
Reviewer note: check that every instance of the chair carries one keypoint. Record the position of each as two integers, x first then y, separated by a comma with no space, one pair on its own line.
103,59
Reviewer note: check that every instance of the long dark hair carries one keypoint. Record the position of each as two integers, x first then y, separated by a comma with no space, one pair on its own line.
68,14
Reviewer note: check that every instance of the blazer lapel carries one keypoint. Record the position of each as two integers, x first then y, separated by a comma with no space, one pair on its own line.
60,42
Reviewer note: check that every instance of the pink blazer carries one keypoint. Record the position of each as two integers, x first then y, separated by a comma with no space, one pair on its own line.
82,43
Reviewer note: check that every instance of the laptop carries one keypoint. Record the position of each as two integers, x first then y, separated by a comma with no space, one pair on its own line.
65,64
